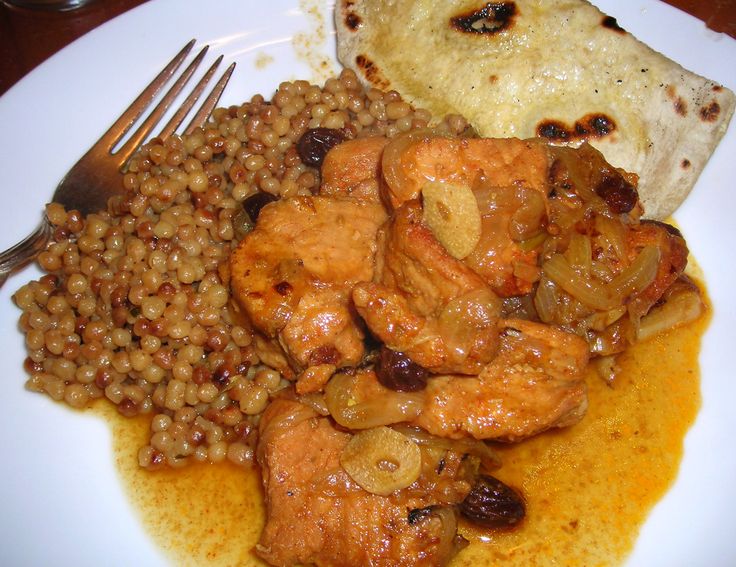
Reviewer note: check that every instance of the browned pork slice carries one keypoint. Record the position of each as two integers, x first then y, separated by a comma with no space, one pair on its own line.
536,382
316,514
673,253
294,272
425,303
509,180
353,169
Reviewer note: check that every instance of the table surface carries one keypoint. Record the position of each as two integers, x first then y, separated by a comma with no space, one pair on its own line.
28,37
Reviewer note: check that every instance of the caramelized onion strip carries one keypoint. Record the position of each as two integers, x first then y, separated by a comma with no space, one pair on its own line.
586,291
613,232
382,407
447,541
394,170
639,274
580,253
545,300
679,309
603,297
473,447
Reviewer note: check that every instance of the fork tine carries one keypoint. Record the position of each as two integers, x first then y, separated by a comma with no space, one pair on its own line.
190,101
135,140
136,108
211,101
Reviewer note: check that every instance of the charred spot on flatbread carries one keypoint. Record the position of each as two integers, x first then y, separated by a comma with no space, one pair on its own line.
710,112
590,126
351,19
679,103
610,23
492,18
685,163
536,72
371,72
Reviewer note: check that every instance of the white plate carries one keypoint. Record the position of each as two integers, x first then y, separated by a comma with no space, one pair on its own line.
61,501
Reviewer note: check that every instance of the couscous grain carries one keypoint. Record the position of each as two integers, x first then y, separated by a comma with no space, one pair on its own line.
135,306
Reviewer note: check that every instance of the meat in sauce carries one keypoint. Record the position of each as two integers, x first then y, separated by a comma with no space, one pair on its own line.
294,272
492,346
425,303
316,514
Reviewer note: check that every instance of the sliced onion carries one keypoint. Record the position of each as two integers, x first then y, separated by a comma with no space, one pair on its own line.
526,221
545,300
614,234
580,253
592,294
448,544
599,320
680,308
604,297
393,169
606,368
639,274
381,407
533,242
473,447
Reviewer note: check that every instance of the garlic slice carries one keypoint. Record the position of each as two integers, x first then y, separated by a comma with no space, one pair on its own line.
451,212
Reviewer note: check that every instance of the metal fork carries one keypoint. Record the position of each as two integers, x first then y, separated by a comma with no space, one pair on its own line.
96,176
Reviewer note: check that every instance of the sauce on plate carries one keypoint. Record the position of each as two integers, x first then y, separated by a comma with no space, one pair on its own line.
588,488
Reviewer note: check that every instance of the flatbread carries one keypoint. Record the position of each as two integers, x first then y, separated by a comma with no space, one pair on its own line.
559,69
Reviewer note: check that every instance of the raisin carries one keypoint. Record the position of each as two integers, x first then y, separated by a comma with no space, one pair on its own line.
396,371
314,144
619,194
254,203
493,504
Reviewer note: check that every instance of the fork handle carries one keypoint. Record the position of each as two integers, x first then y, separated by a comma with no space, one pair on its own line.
26,250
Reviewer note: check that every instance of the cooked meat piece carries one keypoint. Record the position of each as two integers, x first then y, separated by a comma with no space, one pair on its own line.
681,304
294,272
507,162
510,217
316,514
672,263
352,169
536,382
425,303
509,179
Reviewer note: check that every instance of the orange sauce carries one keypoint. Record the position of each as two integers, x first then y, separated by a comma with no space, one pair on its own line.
588,488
